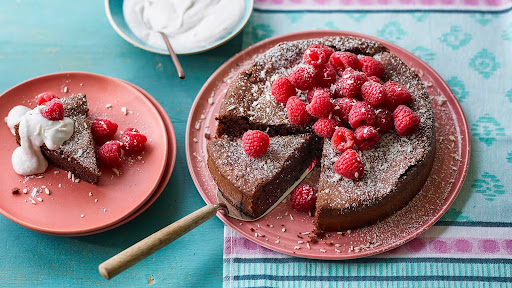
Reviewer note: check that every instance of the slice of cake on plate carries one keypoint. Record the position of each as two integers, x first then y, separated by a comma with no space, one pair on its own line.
76,154
253,185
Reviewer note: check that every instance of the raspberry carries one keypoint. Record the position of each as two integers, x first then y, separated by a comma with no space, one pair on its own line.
326,76
53,110
406,121
375,79
109,154
396,94
311,92
316,56
371,66
325,127
343,139
328,51
133,141
372,93
343,60
282,89
361,114
350,83
349,165
45,97
303,77
321,105
255,143
296,110
103,130
342,107
303,198
383,120
366,137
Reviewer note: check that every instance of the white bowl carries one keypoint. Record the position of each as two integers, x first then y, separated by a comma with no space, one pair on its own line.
114,10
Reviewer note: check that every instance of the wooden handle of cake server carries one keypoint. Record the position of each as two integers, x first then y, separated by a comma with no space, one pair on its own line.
156,241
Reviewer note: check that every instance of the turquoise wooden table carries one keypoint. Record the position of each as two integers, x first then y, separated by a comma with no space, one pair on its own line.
40,37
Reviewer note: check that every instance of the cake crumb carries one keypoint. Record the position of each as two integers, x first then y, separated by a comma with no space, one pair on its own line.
277,241
56,172
207,135
284,229
195,140
323,250
32,201
296,247
39,199
108,106
25,191
95,200
90,193
65,89
15,190
104,209
124,110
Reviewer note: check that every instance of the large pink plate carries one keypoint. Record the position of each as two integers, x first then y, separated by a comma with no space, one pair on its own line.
287,231
82,208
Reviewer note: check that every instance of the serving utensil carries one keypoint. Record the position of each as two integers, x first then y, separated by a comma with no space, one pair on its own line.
174,57
166,235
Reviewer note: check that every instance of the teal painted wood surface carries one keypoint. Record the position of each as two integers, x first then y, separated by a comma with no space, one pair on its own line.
40,37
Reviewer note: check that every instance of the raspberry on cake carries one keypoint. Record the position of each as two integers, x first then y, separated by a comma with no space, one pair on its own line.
297,111
349,165
282,89
350,83
255,143
325,127
343,139
320,106
361,114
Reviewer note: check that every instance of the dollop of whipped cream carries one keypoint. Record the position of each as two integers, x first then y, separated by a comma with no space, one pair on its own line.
34,131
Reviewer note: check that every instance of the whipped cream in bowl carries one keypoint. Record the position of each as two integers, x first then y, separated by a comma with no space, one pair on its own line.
192,26
34,131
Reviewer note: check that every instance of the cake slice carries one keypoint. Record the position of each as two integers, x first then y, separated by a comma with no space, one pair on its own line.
253,185
77,154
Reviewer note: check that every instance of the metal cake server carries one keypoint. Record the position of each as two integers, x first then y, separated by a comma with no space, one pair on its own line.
166,235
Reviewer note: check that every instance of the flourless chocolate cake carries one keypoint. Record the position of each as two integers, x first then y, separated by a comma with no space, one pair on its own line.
394,169
76,154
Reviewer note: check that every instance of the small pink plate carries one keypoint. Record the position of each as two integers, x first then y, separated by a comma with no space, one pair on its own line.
79,207
287,231
171,137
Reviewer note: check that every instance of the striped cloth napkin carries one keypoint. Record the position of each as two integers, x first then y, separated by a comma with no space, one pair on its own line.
469,43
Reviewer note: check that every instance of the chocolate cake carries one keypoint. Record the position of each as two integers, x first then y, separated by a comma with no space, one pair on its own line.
395,169
253,185
77,154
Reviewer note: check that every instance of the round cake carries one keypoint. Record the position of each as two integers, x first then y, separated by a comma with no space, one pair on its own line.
395,167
